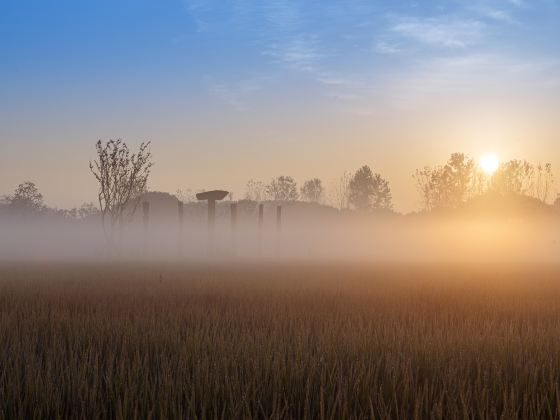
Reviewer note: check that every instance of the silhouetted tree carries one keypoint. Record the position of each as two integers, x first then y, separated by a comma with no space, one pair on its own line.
460,178
447,186
479,184
255,190
282,188
514,176
544,180
122,177
26,200
312,190
523,178
186,195
86,211
427,184
341,191
457,178
369,191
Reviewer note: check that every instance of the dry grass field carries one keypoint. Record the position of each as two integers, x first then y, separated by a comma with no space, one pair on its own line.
278,341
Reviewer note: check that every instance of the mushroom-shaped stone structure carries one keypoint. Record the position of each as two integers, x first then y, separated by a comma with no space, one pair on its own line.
212,197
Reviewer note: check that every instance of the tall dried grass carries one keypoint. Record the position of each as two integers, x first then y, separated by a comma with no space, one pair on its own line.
273,341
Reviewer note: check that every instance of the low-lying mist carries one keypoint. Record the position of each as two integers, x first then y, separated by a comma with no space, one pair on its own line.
344,237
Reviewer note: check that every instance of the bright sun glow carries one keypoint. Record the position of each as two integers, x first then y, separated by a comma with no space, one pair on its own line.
489,163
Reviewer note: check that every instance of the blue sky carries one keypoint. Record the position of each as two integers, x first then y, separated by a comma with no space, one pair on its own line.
250,78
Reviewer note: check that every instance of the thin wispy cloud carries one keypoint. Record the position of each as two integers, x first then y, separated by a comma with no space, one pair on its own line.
298,53
342,96
345,89
238,94
387,48
356,52
283,15
442,32
338,81
461,76
518,3
198,11
494,14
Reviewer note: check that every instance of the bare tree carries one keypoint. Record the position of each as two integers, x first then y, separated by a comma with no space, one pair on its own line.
479,183
122,177
544,180
282,188
426,184
255,190
514,176
312,190
341,191
369,191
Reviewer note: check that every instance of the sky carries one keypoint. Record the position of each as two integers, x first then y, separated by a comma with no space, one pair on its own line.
229,90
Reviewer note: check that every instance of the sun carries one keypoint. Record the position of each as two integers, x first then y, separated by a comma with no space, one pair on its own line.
489,163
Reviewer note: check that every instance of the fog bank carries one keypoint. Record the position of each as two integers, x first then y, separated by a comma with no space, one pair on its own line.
365,238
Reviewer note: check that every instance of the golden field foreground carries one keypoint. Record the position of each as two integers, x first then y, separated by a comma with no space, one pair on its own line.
279,341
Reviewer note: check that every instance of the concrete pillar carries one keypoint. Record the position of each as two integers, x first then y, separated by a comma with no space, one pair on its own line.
146,221
278,218
211,197
233,221
211,214
180,213
233,216
260,229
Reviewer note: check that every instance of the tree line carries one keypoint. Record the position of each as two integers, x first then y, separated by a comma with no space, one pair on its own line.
460,179
27,201
123,175
364,190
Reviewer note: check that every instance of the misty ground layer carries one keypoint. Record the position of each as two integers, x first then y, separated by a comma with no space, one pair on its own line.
279,341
